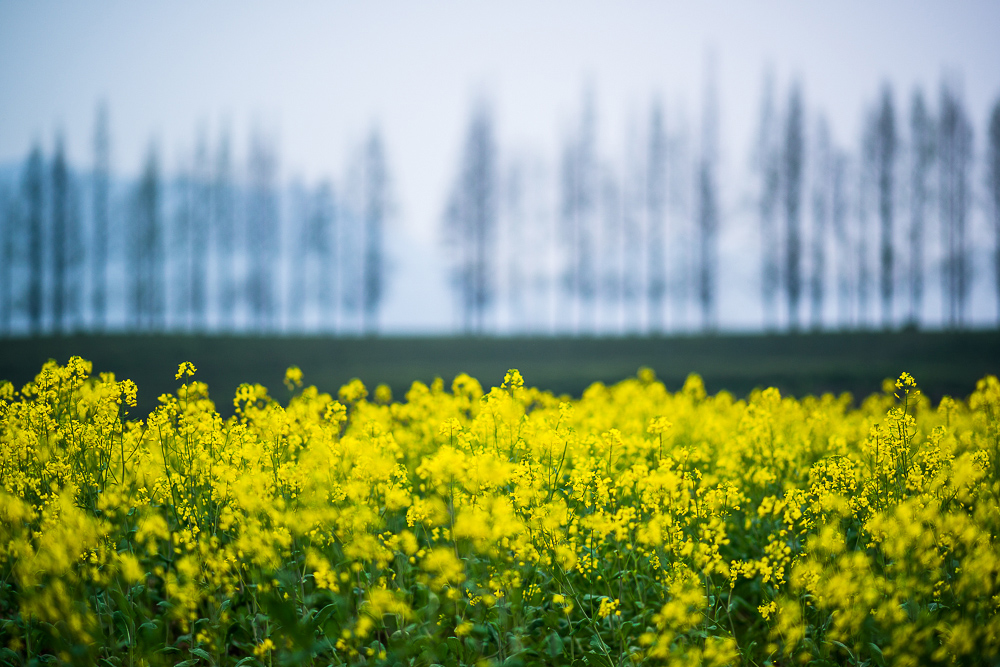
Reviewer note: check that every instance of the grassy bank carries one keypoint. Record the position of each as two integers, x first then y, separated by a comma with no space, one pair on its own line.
943,362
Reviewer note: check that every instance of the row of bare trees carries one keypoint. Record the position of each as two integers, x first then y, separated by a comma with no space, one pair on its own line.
875,234
586,243
210,247
594,248
632,245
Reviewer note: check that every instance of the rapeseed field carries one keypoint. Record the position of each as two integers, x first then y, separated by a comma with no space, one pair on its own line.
505,526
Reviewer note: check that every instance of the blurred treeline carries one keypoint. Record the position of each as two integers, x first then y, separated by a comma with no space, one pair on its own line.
201,249
849,234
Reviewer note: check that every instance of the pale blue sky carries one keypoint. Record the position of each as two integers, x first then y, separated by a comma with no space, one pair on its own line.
318,73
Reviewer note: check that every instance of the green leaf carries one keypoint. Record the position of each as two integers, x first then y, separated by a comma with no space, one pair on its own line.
597,660
148,626
120,600
843,646
555,645
203,654
323,615
120,620
235,629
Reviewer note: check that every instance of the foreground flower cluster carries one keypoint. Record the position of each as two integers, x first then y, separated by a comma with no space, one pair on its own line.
460,526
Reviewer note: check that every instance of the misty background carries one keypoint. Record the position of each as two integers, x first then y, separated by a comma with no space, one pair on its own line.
571,168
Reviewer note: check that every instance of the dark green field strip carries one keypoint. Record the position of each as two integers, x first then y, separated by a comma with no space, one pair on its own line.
942,362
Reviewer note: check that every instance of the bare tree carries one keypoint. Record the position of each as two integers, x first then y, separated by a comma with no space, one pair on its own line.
262,232
350,242
683,250
101,216
146,258
60,231
611,246
792,162
955,155
74,272
322,236
376,210
839,209
866,192
656,213
540,243
993,190
886,167
201,220
299,220
471,221
821,205
192,198
226,240
180,243
767,166
921,161
313,280
571,236
632,232
8,221
579,193
32,191
514,236
708,208
524,243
